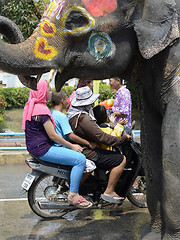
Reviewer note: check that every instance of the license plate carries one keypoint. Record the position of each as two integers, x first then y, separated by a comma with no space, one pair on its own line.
28,181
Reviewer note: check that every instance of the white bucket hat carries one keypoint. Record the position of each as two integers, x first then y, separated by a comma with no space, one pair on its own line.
84,97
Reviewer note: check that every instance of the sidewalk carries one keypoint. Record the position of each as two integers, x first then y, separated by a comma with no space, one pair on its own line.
15,157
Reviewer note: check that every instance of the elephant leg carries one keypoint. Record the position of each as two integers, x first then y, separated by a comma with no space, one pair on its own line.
171,167
152,154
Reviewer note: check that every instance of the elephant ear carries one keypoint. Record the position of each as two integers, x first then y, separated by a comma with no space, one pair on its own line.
158,26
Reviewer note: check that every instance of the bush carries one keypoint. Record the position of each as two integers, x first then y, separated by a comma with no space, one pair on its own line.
15,97
3,105
105,92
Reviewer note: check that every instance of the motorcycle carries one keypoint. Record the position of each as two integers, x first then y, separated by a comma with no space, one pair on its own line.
48,184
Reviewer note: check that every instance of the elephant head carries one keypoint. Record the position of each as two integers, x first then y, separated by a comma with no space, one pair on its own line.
91,39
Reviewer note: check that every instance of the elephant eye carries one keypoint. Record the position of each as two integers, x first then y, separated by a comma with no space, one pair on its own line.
76,20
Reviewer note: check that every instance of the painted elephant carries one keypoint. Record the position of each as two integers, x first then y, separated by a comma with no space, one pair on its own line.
133,39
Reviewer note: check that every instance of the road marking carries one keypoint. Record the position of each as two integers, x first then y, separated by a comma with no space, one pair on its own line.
13,199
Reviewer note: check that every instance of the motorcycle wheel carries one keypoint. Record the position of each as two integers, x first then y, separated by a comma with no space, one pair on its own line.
37,194
137,193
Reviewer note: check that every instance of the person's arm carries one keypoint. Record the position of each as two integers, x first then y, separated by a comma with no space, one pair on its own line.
118,114
94,133
74,138
49,128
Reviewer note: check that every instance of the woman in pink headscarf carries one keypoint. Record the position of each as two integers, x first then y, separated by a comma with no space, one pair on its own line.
40,135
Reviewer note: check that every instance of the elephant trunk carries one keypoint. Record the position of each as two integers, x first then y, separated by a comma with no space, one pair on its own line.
20,59
10,30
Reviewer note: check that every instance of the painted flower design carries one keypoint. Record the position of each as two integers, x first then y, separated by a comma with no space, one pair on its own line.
47,29
43,50
101,46
99,8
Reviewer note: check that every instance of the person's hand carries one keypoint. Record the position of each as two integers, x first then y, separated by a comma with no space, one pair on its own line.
92,145
122,121
112,117
77,148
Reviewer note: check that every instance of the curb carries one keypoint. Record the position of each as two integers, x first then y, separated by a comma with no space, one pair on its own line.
12,158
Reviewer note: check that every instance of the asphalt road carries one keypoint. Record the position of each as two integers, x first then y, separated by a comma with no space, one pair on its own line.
18,222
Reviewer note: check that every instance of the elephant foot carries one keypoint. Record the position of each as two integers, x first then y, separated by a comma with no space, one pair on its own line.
152,236
171,236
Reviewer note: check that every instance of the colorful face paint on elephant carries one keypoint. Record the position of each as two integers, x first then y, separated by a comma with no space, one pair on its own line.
99,8
89,21
42,48
48,29
54,9
101,46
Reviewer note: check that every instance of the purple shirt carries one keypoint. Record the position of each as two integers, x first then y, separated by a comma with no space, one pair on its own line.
122,103
37,140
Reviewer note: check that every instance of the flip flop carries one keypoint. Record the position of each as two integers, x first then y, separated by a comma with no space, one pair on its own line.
77,203
111,198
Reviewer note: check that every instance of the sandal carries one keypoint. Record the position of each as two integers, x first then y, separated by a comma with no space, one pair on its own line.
78,203
112,198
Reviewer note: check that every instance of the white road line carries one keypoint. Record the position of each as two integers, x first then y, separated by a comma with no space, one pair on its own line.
13,199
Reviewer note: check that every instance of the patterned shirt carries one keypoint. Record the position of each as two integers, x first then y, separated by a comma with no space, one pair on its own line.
122,103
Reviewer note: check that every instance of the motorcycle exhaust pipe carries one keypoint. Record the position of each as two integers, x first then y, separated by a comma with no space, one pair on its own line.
55,205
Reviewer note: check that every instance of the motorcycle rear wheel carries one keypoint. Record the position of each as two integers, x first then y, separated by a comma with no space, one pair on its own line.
36,194
137,193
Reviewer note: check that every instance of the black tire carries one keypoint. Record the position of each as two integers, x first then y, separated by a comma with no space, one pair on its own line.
137,194
36,194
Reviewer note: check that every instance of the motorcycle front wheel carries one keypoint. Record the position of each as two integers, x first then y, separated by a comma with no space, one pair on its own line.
40,198
137,193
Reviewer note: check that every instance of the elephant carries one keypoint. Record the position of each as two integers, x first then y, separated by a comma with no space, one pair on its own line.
135,40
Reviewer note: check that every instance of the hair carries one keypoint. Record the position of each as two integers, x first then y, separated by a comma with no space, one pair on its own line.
83,83
100,114
118,78
57,97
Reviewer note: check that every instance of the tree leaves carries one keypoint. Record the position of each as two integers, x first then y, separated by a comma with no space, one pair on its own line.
25,13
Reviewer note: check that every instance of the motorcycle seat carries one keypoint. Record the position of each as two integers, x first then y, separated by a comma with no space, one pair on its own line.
50,164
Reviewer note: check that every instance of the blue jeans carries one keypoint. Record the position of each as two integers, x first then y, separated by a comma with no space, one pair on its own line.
66,156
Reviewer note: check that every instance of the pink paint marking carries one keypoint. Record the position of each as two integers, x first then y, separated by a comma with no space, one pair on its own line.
99,8
42,49
47,28
59,9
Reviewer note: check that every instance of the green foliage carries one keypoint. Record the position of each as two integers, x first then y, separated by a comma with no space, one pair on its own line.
15,97
68,90
105,92
25,13
3,105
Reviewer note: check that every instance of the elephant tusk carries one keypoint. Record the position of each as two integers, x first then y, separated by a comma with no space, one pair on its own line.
38,77
51,74
60,69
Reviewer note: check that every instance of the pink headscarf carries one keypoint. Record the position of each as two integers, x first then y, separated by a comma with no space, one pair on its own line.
36,104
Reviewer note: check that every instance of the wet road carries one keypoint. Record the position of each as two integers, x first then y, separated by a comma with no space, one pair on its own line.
18,222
